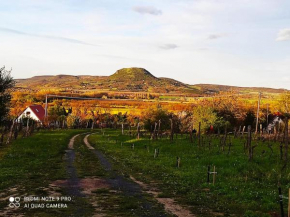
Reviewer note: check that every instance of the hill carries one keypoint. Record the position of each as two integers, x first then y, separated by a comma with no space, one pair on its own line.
215,88
130,80
127,79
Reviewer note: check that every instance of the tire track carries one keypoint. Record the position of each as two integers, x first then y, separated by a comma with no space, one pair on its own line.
128,187
73,180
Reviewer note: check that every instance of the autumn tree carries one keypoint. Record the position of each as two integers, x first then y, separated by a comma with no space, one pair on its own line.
284,102
6,83
154,115
204,115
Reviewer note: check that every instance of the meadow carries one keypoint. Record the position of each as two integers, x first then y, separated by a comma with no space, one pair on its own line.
29,165
241,188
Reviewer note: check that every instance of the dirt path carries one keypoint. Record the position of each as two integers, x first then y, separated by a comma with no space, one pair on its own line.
127,187
87,142
73,182
170,204
71,142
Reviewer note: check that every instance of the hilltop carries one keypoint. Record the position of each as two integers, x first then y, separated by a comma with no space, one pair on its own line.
126,79
130,80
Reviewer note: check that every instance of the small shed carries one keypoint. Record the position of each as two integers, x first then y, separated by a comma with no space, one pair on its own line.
35,112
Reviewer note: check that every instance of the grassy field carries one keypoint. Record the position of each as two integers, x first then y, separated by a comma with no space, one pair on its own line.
242,188
34,158
41,165
29,165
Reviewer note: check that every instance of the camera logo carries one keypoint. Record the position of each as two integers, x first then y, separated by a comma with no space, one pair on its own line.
14,202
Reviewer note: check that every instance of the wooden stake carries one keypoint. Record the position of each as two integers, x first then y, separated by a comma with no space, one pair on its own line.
243,131
178,162
289,203
267,115
249,143
286,140
208,173
199,133
281,202
213,180
258,110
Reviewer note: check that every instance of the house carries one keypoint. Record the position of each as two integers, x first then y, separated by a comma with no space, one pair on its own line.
277,120
35,112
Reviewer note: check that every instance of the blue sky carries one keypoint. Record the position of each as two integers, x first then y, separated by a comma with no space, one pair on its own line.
240,42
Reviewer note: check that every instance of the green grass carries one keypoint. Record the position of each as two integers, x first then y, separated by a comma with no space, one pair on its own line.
86,163
37,158
31,164
242,188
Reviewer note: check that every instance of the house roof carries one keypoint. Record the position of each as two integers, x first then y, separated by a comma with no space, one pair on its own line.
38,110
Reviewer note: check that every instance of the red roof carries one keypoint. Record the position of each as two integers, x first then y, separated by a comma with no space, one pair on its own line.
38,110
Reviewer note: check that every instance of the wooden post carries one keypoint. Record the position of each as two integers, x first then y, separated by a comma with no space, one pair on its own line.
281,202
159,125
177,162
155,153
208,173
214,173
258,110
267,115
45,106
154,132
171,130
286,139
11,132
239,131
138,130
243,131
289,203
199,124
225,138
91,127
2,138
249,142
27,127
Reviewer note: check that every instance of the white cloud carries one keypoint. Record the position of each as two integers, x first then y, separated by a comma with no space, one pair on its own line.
70,40
168,46
215,36
147,10
283,35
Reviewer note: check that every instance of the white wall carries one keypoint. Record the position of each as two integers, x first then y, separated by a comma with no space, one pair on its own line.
32,115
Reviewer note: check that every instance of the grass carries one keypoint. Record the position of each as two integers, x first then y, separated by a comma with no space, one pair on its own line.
242,188
86,162
37,158
30,164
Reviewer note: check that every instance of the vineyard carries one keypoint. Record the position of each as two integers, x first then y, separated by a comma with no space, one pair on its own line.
184,170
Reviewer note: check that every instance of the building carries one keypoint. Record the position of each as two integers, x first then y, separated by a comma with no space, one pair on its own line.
35,112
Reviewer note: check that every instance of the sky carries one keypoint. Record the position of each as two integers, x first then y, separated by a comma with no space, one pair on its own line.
229,42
